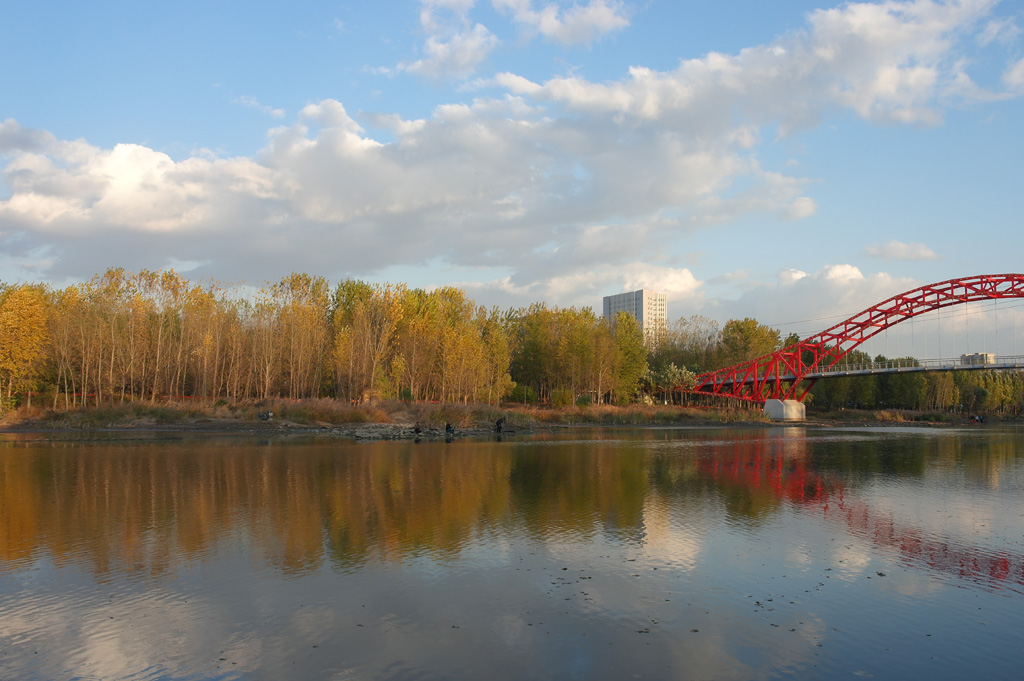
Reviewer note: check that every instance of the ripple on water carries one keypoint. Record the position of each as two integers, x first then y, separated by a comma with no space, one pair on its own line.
105,631
715,558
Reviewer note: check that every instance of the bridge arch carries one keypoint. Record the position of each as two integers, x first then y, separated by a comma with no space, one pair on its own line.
781,375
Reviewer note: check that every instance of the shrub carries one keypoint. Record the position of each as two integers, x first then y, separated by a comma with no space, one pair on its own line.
523,394
561,397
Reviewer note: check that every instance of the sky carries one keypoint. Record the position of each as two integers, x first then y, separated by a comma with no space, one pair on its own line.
791,161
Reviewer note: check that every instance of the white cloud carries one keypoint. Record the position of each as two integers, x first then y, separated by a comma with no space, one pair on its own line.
887,62
801,207
1014,77
454,48
253,103
826,297
577,25
585,288
435,13
1004,30
14,138
791,276
396,124
454,56
841,274
678,282
897,250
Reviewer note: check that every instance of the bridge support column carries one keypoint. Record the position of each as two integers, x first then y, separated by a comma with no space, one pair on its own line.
785,410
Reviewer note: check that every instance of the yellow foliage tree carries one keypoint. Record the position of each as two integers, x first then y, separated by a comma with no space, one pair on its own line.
24,338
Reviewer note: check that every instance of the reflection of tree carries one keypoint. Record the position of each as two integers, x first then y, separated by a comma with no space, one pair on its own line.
389,502
150,507
562,489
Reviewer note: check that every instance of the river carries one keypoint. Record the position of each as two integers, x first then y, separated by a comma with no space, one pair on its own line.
676,553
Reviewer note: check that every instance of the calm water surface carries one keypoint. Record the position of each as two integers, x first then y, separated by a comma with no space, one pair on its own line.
591,554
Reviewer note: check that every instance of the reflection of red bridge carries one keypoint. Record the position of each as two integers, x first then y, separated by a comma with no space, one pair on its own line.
789,373
788,478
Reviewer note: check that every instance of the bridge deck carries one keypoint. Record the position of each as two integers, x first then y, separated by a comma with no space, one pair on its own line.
898,367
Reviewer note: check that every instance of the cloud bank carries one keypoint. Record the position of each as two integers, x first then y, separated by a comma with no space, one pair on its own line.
554,188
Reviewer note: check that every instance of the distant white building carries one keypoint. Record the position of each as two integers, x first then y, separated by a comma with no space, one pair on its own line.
649,308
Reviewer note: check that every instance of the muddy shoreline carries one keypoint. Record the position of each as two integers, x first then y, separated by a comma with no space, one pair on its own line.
372,432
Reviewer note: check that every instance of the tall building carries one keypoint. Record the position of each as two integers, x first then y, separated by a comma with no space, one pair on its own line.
649,308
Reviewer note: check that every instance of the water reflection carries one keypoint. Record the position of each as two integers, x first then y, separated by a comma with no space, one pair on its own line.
600,554
757,475
143,507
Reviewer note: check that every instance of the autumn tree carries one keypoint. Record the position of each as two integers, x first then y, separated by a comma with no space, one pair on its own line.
67,310
364,319
24,338
304,306
497,381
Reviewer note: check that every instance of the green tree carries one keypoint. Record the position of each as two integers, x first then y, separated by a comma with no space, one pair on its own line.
668,378
746,339
630,355
902,390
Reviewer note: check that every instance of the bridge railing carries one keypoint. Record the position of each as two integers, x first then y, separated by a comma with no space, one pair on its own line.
947,363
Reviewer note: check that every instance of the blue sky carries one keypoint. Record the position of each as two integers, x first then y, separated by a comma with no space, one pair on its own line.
784,160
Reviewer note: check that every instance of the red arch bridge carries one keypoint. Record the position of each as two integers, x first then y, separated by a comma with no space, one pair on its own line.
789,373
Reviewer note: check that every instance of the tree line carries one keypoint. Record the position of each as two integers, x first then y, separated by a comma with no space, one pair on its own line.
971,392
156,336
699,344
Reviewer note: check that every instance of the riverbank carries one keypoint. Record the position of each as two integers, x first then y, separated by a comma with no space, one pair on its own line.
398,420
273,415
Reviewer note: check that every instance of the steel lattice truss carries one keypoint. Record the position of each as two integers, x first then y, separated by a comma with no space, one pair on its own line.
782,375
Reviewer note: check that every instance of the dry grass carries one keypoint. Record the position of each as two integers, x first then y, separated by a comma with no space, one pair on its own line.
329,412
107,416
637,415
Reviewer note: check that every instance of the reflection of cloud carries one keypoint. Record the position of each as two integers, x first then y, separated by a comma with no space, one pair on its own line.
127,636
851,559
800,555
675,542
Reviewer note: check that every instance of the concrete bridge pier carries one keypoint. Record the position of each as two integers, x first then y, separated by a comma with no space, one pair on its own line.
785,410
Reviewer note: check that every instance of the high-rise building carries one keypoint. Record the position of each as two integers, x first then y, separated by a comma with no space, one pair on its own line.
649,308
